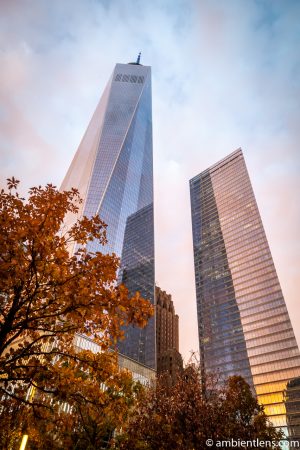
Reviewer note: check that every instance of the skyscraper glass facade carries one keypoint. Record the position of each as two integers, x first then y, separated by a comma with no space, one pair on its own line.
113,171
137,273
244,326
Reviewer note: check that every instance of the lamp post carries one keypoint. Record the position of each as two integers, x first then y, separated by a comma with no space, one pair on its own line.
24,441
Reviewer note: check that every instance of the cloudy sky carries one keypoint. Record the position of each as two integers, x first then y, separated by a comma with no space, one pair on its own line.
226,74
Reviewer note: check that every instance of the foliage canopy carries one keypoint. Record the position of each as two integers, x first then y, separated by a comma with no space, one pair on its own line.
46,296
183,417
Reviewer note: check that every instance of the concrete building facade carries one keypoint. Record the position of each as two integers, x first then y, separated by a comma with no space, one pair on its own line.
169,359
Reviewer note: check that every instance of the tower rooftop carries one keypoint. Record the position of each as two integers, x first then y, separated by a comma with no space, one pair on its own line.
137,62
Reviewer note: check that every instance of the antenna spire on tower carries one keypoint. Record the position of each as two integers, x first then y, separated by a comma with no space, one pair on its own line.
138,58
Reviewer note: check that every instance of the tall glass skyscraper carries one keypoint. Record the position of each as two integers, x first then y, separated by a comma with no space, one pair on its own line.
113,171
137,273
244,326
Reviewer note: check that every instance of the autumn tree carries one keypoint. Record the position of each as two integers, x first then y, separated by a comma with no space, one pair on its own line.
48,295
182,418
86,410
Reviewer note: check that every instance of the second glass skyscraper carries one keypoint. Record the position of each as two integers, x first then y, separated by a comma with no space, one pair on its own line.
244,326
